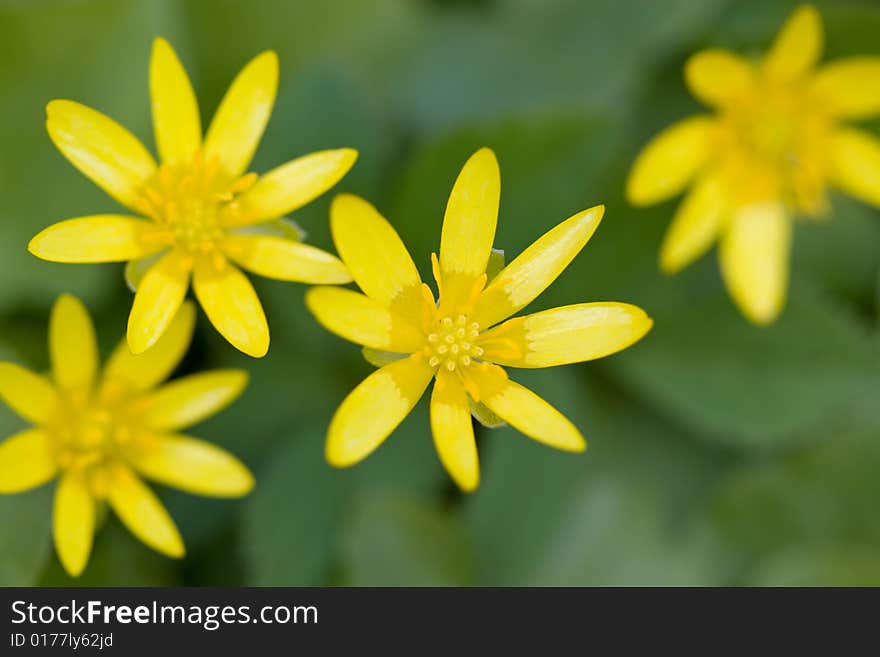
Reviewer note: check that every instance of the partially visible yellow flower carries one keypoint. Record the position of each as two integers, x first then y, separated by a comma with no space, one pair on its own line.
199,214
99,432
770,151
453,340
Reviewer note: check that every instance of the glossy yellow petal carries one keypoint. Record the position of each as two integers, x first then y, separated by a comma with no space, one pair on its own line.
292,185
103,150
176,121
284,259
135,270
73,522
855,164
191,399
240,120
374,409
719,77
140,372
29,395
73,346
362,320
376,257
381,358
141,511
158,299
569,334
536,268
26,461
232,305
850,88
797,47
695,226
192,465
97,238
754,254
453,431
524,410
670,161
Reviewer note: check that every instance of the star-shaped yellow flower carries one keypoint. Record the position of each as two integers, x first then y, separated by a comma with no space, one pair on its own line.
771,149
199,214
99,432
453,340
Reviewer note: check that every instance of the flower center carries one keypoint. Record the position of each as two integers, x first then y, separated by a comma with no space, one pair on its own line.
450,343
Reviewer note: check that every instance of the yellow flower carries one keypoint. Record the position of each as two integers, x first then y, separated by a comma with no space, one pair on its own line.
99,432
453,340
771,149
199,214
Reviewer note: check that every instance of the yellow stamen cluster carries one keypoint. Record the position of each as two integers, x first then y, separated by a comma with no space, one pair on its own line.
450,343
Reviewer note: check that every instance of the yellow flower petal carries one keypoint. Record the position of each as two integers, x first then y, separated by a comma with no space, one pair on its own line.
135,270
192,465
142,372
569,334
797,47
176,121
292,185
374,409
719,77
158,299
524,410
536,268
141,511
362,320
73,346
26,461
376,257
240,120
103,150
850,88
695,227
29,395
855,164
97,238
669,161
754,254
73,523
453,432
191,399
284,259
232,305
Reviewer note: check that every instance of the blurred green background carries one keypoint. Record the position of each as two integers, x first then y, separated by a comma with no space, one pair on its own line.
720,453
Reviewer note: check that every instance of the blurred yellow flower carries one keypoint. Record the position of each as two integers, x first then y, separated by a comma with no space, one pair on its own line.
415,339
771,150
198,212
98,431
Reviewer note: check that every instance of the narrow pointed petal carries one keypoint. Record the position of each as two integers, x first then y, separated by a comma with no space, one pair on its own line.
73,521
192,465
176,122
73,346
374,409
376,257
754,254
670,161
232,305
536,268
97,238
26,461
695,226
850,88
284,259
238,125
292,185
190,399
797,47
524,410
719,77
157,300
855,164
453,432
108,154
362,320
141,511
29,395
